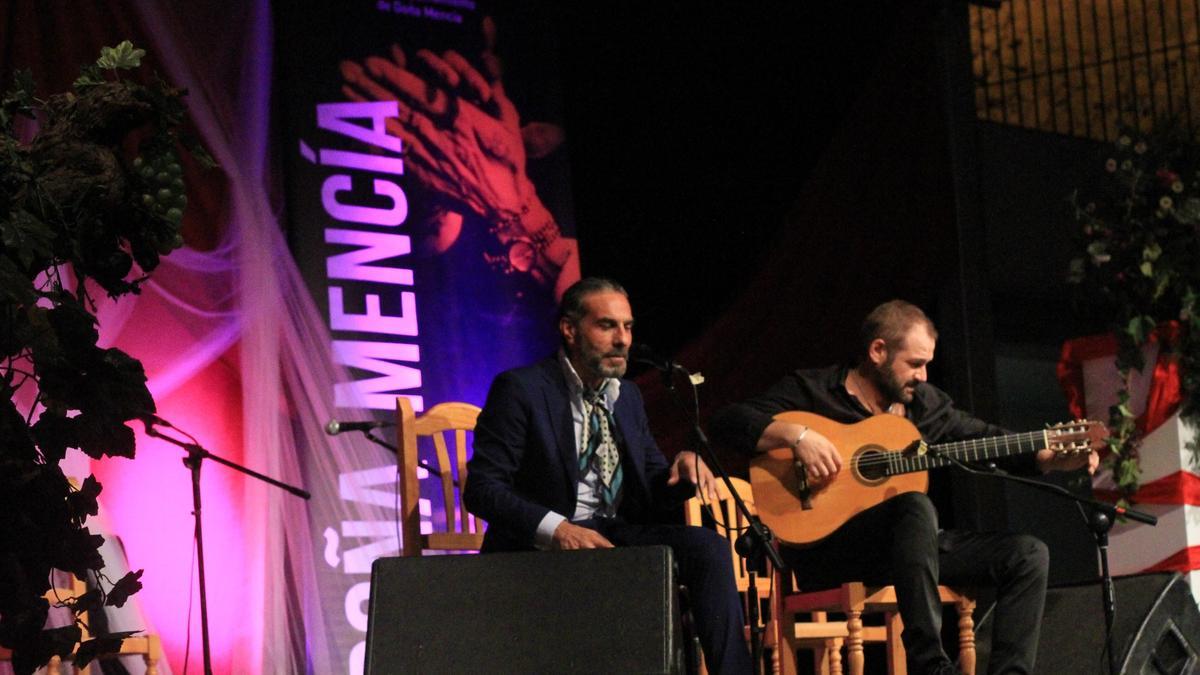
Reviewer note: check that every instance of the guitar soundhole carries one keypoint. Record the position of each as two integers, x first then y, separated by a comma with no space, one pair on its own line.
870,464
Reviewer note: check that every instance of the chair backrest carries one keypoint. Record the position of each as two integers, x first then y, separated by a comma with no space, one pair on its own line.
729,522
447,425
57,597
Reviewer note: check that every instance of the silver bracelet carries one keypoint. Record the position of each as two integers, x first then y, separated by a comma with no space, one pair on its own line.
800,438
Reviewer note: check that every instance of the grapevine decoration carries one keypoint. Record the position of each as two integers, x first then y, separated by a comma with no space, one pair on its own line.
94,199
1139,264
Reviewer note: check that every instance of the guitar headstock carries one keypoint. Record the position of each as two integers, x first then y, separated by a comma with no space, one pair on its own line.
1077,436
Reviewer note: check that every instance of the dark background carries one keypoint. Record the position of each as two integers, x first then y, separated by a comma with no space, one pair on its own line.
759,175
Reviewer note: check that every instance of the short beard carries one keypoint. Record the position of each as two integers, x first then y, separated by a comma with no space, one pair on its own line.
596,365
885,381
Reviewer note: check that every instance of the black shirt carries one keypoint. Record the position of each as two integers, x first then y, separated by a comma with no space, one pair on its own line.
823,391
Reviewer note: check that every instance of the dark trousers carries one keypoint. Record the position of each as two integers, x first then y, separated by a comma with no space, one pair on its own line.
706,569
898,543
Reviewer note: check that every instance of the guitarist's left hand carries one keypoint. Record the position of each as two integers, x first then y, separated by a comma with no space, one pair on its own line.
688,466
1048,460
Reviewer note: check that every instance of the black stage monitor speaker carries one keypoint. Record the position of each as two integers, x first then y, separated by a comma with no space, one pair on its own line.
601,611
1156,630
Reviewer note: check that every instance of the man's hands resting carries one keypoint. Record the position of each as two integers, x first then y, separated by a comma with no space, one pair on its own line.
569,536
686,467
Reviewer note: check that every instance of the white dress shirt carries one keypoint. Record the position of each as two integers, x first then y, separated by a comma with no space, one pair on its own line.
587,497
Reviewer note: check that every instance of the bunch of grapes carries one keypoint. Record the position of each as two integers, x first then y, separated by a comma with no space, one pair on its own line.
163,195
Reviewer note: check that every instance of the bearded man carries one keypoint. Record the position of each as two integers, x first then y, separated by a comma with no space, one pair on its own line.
564,459
898,542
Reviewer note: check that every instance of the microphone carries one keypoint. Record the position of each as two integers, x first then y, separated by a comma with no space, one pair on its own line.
152,420
645,354
335,427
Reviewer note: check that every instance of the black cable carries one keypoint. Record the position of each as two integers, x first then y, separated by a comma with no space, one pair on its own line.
187,645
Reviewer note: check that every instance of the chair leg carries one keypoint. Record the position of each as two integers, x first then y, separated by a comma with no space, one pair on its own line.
854,643
966,636
835,657
775,664
785,643
821,657
153,655
897,660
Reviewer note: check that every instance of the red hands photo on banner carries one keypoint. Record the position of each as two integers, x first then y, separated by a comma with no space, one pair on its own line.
463,140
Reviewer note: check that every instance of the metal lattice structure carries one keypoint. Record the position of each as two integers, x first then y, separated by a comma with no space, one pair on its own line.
1086,68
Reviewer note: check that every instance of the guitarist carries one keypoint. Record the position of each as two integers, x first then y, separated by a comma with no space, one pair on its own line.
899,542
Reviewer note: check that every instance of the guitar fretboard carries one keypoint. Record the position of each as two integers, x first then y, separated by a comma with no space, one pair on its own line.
978,450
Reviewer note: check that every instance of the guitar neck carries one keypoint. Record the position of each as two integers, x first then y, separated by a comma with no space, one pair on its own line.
978,450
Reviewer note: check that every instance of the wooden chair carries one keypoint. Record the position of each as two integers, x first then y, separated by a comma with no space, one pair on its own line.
824,638
447,425
148,646
854,599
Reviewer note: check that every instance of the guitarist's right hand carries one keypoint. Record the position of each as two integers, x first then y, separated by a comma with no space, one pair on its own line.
820,457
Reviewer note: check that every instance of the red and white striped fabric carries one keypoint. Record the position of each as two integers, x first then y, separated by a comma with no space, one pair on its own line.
1169,484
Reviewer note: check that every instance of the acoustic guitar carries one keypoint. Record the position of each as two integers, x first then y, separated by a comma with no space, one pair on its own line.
882,456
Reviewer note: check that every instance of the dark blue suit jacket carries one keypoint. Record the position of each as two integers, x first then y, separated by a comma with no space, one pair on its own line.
526,464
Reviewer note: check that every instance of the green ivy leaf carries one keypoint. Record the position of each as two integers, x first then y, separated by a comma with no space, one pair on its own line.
16,443
99,646
55,433
60,641
16,287
123,56
29,238
1161,283
125,587
22,86
89,76
101,435
1127,471
1193,448
1076,272
1136,329
83,501
1151,251
78,551
18,99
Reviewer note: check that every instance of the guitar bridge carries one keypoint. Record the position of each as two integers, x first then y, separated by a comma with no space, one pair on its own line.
803,491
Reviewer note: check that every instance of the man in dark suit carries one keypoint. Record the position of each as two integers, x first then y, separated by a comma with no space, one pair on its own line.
564,459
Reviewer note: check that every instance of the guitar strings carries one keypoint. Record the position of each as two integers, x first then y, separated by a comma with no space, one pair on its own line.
957,449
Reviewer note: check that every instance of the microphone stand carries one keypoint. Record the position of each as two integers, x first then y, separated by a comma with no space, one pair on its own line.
396,451
195,455
1100,520
756,541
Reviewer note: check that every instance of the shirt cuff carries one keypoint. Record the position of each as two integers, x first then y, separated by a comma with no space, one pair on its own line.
543,539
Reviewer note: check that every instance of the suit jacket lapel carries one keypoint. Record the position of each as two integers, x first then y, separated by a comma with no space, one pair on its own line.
626,435
558,408
627,429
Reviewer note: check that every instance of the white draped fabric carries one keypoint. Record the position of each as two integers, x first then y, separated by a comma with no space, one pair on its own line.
238,356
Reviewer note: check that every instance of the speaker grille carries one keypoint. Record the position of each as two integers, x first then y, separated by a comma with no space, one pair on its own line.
610,611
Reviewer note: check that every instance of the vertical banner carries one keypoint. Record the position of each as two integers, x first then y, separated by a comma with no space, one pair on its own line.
429,209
